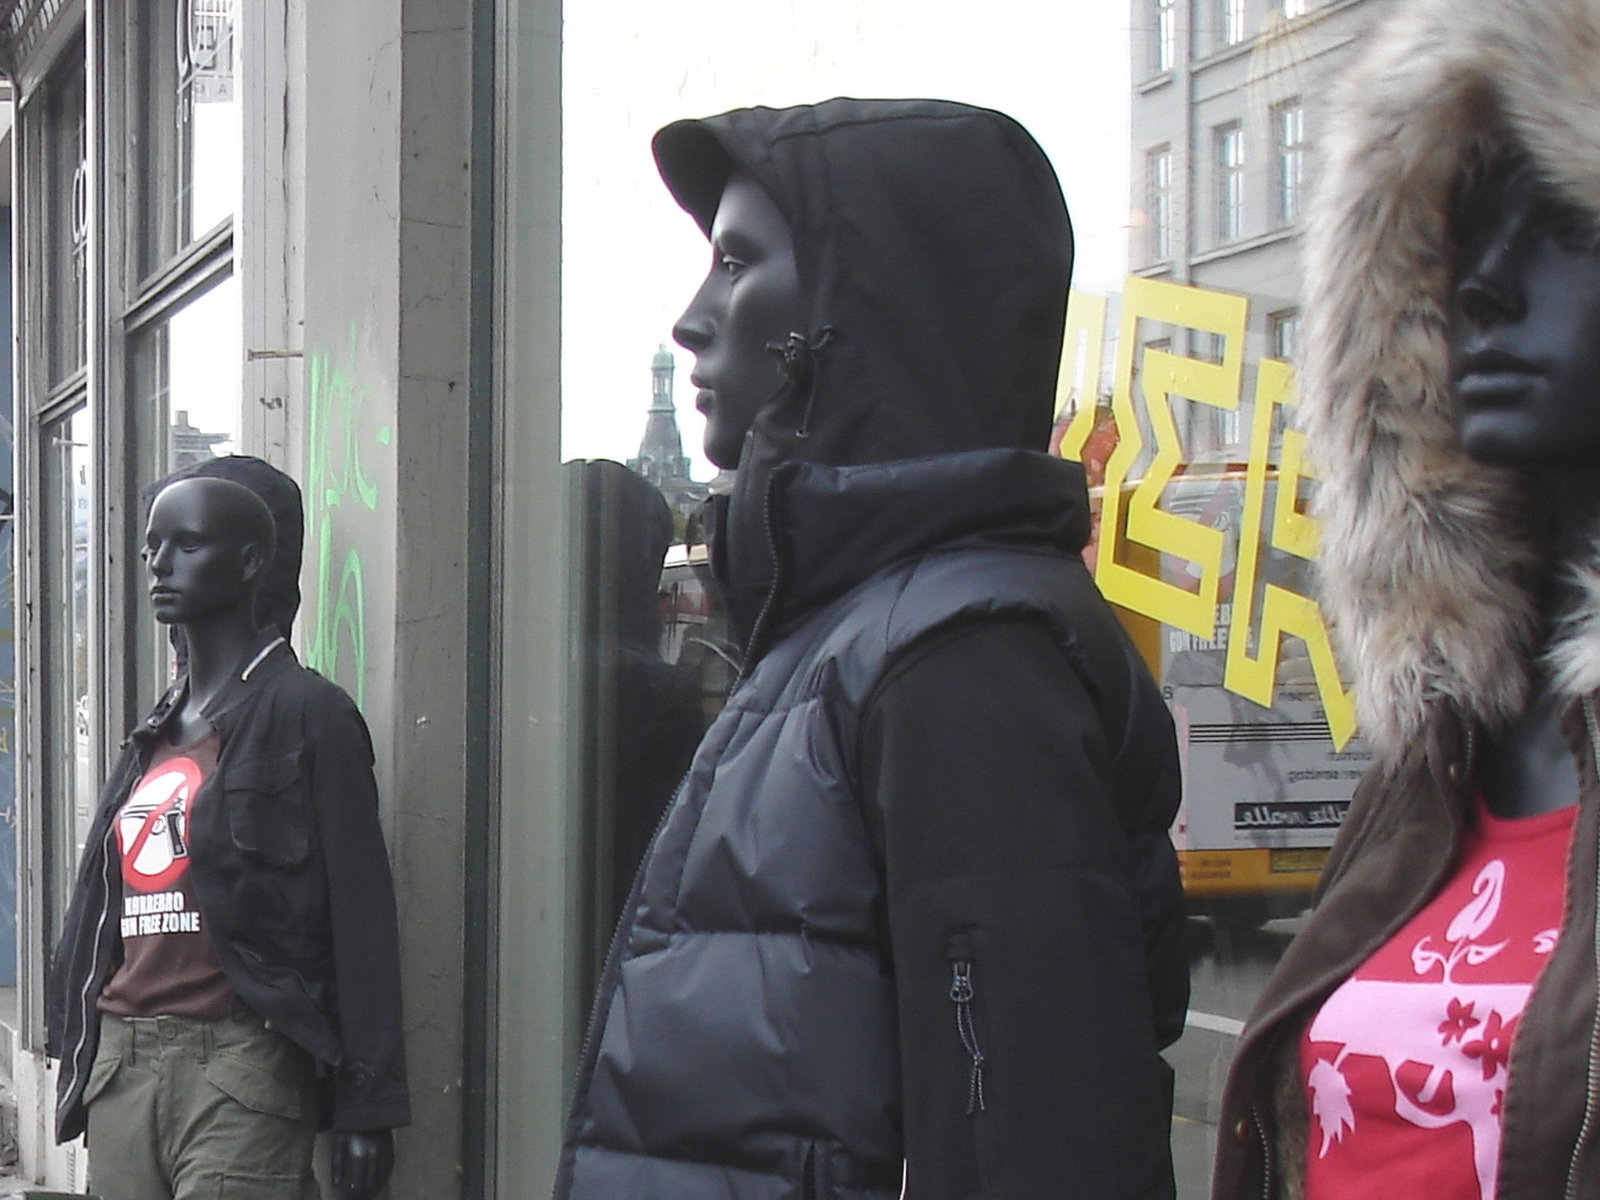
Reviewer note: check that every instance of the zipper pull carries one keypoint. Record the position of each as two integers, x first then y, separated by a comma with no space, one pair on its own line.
961,993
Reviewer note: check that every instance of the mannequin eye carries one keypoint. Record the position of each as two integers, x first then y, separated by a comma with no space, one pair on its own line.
730,264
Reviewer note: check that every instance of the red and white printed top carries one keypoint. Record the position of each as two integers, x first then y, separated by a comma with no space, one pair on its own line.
1405,1064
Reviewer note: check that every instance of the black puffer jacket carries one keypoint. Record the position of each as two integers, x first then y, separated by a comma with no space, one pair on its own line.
915,900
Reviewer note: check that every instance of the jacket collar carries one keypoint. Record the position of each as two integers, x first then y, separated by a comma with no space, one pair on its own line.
831,528
269,655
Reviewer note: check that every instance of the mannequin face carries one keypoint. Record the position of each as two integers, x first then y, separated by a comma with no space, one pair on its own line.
1525,326
750,299
200,566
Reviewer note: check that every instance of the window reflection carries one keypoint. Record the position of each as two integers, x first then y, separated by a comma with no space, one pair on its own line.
71,778
184,387
188,166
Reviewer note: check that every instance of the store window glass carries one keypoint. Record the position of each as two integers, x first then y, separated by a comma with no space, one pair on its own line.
184,390
61,153
1177,378
186,166
71,779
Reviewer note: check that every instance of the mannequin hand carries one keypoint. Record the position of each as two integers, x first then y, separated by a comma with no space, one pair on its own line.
362,1163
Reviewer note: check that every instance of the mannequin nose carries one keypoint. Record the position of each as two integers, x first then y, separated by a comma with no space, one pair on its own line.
1485,301
694,327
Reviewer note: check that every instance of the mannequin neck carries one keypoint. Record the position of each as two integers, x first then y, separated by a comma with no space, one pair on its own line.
217,648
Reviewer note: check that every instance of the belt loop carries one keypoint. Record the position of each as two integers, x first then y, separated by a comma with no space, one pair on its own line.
208,1043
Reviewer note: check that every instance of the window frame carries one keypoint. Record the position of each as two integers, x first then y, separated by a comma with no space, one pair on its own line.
1164,42
1288,160
1158,201
1228,158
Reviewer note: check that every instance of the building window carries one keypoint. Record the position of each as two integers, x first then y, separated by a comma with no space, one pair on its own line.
1166,40
1158,180
1230,181
1289,139
1230,22
1293,8
1285,331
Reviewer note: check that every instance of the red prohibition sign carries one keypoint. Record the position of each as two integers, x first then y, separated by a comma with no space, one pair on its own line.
155,866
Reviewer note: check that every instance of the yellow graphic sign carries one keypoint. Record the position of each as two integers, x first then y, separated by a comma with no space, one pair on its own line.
1135,530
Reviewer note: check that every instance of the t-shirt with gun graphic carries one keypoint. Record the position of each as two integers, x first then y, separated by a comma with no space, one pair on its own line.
168,966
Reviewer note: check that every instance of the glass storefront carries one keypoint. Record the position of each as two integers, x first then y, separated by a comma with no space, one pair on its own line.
1183,140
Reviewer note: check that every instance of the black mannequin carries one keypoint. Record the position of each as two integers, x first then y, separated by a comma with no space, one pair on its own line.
1524,357
737,322
207,544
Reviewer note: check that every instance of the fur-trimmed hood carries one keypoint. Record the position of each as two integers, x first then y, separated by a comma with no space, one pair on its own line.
1430,560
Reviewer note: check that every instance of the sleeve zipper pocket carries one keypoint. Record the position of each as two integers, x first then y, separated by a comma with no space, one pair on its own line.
962,992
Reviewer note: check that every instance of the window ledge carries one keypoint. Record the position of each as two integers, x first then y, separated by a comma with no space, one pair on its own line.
1154,83
1227,249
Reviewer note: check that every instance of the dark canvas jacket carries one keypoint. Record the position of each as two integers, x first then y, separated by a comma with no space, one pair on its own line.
915,900
313,951
1429,562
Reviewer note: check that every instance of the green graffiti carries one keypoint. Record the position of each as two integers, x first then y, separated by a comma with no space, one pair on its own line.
335,484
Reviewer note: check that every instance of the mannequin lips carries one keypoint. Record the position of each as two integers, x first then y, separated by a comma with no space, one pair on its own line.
1489,376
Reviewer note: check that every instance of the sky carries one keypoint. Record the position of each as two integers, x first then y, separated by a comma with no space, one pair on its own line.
631,258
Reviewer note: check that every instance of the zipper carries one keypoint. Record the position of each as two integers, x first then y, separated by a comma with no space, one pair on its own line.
1266,1152
92,979
752,649
1592,1079
962,993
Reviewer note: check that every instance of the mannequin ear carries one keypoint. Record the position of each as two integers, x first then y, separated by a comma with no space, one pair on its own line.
252,561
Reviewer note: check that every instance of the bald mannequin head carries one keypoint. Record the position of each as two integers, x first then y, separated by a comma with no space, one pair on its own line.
207,543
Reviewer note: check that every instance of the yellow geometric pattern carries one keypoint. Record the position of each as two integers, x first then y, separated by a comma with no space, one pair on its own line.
1135,530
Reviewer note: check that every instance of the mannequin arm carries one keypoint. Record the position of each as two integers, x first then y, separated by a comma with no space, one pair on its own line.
362,1163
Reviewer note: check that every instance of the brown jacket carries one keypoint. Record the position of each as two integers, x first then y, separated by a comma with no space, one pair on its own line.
1394,852
1430,561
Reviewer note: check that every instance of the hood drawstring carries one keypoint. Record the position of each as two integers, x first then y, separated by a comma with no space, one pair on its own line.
798,354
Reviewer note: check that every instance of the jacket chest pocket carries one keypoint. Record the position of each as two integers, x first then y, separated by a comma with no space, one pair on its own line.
268,814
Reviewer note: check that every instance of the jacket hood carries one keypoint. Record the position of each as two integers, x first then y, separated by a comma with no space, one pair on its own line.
1430,561
934,250
278,597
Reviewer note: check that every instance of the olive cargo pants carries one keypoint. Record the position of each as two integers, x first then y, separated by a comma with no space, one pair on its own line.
192,1109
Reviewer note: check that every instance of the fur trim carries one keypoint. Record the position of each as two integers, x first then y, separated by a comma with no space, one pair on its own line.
1427,557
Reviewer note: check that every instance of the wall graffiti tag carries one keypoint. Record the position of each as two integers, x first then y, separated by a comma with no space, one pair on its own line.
338,487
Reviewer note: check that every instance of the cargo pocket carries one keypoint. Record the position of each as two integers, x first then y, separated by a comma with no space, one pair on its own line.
268,814
106,1065
244,1185
259,1088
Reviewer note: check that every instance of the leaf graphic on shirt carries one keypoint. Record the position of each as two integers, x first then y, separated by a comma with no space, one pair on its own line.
1479,913
1478,955
1330,1103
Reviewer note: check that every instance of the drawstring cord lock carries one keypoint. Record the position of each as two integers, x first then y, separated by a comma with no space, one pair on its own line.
797,353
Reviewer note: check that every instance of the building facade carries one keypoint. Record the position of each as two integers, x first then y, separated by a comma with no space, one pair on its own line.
1224,116
280,228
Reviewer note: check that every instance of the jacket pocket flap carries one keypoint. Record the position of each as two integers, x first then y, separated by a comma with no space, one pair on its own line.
267,814
257,1087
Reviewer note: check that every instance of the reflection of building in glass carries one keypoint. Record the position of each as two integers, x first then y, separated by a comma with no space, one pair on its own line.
661,458
188,445
1223,112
